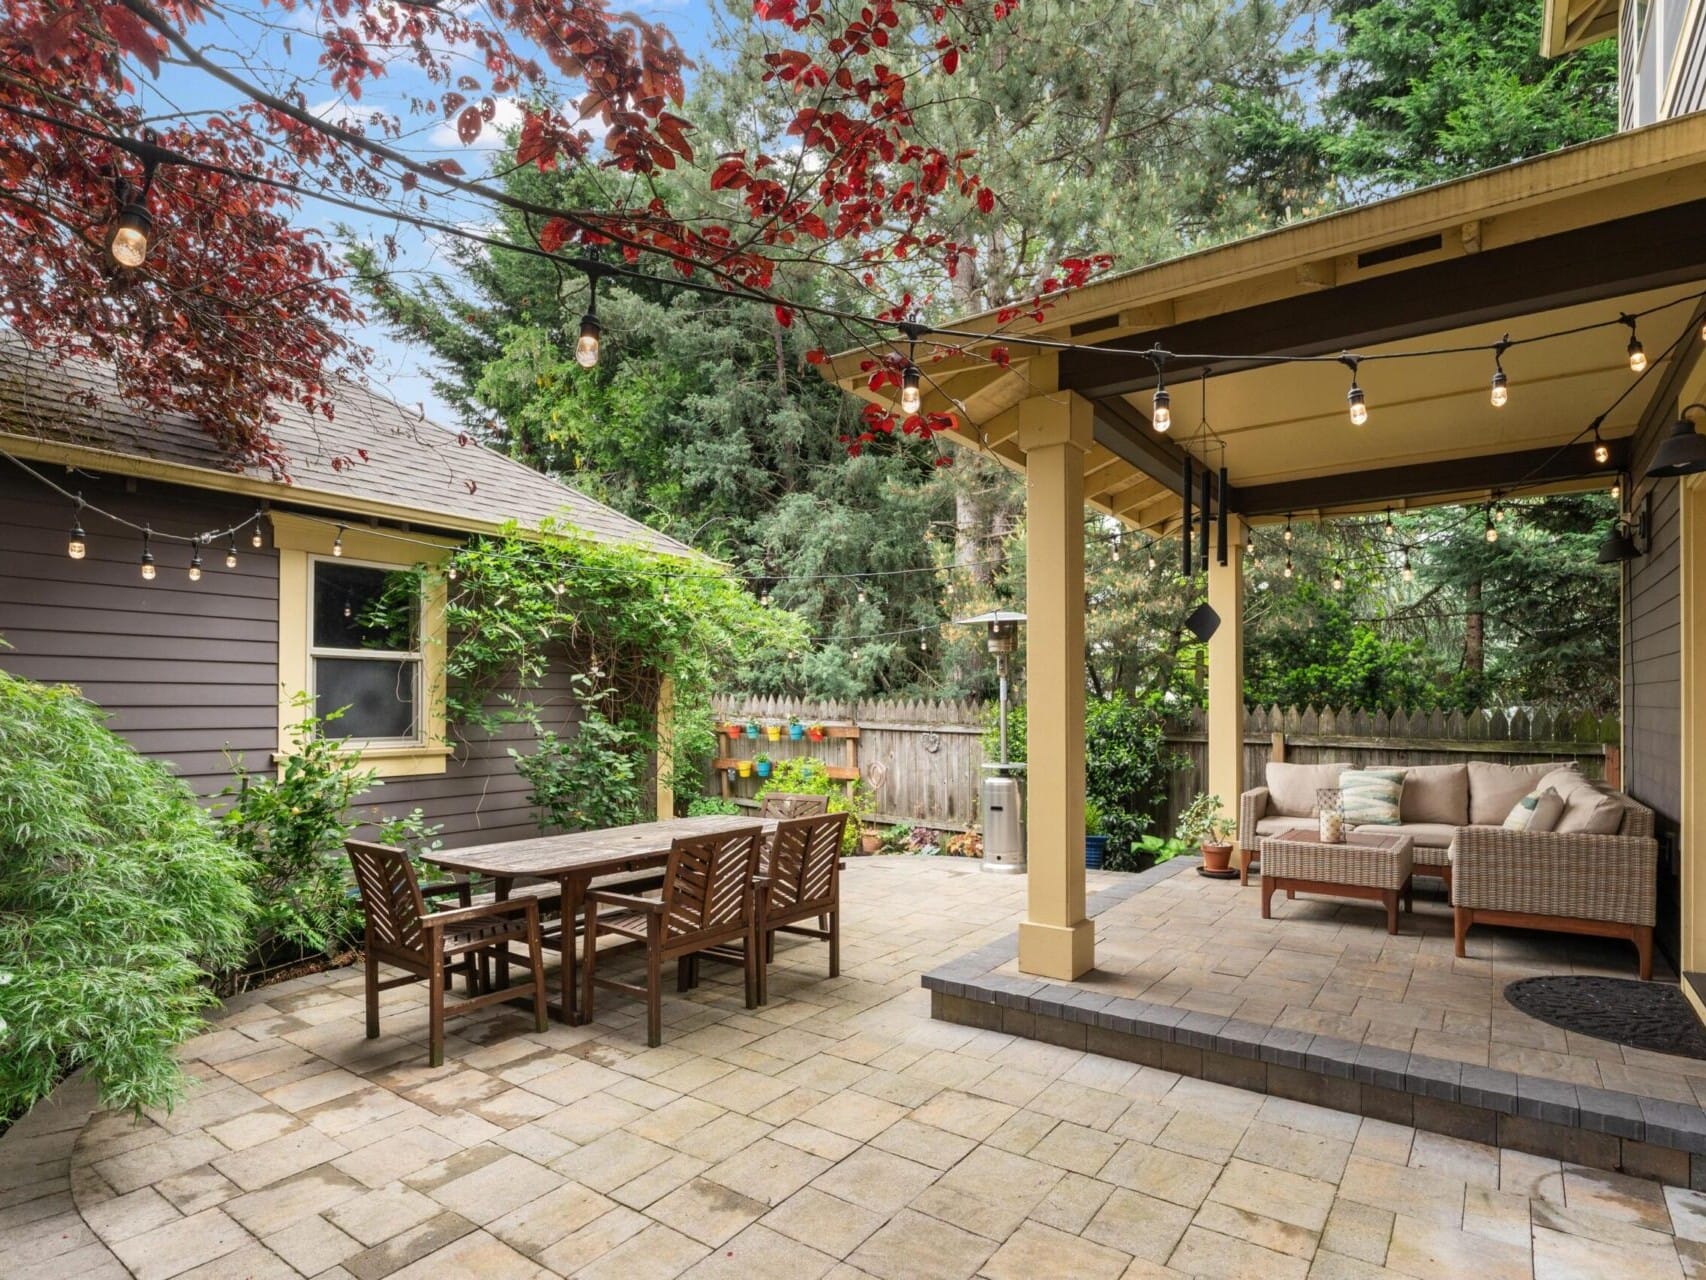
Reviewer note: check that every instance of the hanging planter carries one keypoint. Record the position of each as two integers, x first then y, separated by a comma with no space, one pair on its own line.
734,728
752,728
743,768
816,732
773,732
762,765
796,730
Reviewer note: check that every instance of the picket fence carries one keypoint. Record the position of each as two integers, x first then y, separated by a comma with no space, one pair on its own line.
923,760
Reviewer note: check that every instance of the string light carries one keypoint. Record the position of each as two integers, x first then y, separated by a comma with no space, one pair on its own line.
1152,556
1288,569
450,573
1409,573
591,336
1501,384
1616,489
1391,527
1637,353
147,557
911,389
195,565
1288,529
338,542
78,545
1601,450
127,243
231,553
255,539
1354,397
1338,579
1492,531
1161,416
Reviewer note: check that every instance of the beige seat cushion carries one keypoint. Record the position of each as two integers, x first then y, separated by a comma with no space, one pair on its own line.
1590,811
1275,826
1430,835
1292,787
1494,789
1436,793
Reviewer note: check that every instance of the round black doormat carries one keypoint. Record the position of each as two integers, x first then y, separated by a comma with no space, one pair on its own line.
1655,1016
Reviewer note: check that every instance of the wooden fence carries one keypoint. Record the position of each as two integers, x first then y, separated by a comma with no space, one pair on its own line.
923,760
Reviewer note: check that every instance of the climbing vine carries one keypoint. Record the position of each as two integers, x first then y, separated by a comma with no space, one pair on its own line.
623,619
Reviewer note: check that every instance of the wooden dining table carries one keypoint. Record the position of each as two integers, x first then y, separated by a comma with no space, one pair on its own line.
573,861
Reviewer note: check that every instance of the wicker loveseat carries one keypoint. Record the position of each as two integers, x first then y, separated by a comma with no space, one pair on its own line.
1600,882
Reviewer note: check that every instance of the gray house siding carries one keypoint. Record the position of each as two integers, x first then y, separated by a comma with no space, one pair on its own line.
1652,694
189,671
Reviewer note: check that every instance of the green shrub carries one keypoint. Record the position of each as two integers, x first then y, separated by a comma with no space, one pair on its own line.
591,779
712,807
118,896
807,775
292,823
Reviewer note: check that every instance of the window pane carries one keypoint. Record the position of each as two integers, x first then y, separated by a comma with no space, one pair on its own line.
356,607
379,695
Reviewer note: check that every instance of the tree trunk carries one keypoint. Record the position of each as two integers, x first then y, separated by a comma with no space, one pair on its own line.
1474,631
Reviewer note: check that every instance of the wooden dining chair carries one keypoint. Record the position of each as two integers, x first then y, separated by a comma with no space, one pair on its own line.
400,932
711,896
802,870
792,804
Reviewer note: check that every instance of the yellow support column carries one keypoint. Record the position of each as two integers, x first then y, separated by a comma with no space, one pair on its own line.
1055,939
666,749
1691,839
1226,674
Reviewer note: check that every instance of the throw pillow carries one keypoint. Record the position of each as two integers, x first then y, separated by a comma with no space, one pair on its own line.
1592,812
1536,811
1437,793
1372,797
1494,788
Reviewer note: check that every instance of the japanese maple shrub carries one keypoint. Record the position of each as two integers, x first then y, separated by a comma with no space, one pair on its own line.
118,898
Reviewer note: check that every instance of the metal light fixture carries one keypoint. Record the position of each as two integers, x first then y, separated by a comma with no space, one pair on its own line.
148,570
1683,452
911,389
1601,450
1354,397
133,229
195,565
1618,546
1637,353
1501,384
78,545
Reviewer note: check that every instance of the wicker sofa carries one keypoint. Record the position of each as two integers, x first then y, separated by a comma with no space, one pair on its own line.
1601,882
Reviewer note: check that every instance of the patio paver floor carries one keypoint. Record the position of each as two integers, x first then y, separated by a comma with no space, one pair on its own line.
839,1132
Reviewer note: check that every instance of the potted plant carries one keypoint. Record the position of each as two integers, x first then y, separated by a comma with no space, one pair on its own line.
1095,835
752,728
761,765
1201,824
796,730
870,841
743,768
734,728
773,732
815,732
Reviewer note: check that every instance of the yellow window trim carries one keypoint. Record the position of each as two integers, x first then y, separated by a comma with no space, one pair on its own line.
300,538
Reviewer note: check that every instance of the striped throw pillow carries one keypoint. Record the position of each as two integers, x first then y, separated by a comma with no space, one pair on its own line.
1371,796
1536,811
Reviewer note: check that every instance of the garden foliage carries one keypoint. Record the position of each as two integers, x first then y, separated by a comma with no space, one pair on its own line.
592,777
118,896
807,775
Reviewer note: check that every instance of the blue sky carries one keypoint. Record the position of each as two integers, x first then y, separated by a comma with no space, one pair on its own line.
398,368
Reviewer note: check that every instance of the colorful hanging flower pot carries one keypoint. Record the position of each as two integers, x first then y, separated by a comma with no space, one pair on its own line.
752,728
762,766
816,732
743,768
734,728
796,730
773,732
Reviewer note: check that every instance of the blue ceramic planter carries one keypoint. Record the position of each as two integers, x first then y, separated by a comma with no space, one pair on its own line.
762,769
796,731
1095,849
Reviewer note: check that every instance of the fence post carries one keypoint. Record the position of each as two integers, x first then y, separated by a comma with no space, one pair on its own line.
1276,748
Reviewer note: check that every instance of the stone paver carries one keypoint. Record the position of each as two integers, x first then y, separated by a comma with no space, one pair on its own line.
838,1132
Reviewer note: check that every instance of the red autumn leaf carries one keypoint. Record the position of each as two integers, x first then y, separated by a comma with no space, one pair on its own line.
985,200
951,61
554,234
468,125
132,35
1000,356
817,355
784,317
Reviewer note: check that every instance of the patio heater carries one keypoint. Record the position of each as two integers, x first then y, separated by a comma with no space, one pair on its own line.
1003,794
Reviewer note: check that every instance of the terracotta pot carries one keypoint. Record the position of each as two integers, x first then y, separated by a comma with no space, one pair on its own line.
870,842
1216,857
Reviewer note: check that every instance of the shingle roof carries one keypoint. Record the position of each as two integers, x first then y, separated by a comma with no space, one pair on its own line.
413,465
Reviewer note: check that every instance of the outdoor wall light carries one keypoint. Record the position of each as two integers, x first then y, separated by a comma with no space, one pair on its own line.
1683,452
1629,538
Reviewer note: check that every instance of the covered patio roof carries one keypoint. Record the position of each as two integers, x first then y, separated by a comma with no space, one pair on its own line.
1567,240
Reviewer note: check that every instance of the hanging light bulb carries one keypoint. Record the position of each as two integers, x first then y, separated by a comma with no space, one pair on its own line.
1391,527
338,542
1114,554
1354,397
256,540
1492,532
347,610
1601,450
923,645
861,595
1616,489
911,392
1637,353
231,553
1409,573
1338,579
147,557
1161,418
195,565
450,573
1501,389
587,343
78,545
1288,569
1151,557
1288,531
1499,512
133,229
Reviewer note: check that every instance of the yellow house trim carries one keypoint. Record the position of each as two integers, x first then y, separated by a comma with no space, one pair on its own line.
299,539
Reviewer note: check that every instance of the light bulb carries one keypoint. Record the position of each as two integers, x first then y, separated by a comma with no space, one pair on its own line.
128,244
78,546
1492,531
1288,533
195,565
1162,418
338,542
1152,560
1409,573
451,573
911,393
587,345
1338,581
1501,390
348,611
255,539
1288,566
1601,452
1359,405
231,553
147,561
1637,356
1617,491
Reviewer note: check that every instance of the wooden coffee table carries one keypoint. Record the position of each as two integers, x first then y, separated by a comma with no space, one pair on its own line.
1373,865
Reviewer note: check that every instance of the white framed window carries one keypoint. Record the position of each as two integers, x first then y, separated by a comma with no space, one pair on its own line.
364,650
